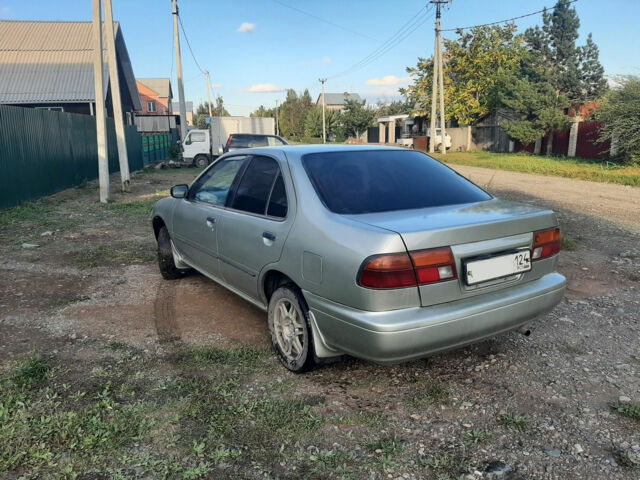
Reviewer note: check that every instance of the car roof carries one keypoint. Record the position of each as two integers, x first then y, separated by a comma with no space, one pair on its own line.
299,150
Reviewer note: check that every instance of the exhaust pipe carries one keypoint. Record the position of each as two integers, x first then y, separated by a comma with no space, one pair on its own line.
525,330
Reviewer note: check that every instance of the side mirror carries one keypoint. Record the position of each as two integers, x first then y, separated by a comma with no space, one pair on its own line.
179,191
220,149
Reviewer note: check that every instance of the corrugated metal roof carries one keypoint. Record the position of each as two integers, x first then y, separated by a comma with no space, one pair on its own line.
338,98
47,62
162,86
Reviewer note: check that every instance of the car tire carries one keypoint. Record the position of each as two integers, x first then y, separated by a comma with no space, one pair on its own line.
166,263
291,333
201,161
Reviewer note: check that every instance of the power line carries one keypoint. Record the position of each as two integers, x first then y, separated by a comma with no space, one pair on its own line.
502,21
189,45
416,21
309,14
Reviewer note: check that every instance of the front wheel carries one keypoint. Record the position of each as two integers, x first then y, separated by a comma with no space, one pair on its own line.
201,161
290,331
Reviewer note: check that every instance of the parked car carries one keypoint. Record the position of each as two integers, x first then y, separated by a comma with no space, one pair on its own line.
377,252
237,141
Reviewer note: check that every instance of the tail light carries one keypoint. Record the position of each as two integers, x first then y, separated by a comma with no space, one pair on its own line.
434,265
546,243
388,271
229,140
399,270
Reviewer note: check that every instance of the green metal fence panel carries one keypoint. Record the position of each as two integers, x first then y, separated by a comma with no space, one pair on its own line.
43,152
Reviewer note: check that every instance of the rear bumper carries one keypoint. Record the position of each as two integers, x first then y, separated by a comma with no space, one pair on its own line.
406,334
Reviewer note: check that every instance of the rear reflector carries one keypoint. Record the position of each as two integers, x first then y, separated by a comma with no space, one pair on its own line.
400,270
546,243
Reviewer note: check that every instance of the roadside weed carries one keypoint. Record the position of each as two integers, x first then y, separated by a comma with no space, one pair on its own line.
514,420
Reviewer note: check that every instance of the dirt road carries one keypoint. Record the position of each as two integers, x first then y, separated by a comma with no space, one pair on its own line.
619,204
540,407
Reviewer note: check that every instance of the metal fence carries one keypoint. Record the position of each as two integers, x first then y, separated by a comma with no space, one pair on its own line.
155,147
43,152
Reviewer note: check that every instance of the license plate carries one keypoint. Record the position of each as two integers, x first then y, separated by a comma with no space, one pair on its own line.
479,271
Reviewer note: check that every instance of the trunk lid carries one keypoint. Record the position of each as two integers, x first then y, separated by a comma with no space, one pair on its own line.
471,230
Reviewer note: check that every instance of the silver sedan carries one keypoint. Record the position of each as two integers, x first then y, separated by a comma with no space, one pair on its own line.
381,253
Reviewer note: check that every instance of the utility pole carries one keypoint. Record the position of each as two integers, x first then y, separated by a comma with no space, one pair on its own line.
176,41
438,78
324,125
118,118
277,128
206,74
101,127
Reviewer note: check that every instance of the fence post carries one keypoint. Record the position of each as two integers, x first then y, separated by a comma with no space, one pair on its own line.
573,137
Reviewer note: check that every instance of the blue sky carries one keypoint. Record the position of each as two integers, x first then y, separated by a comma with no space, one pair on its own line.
255,49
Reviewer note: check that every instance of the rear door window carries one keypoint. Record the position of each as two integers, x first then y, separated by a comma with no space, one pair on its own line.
254,189
368,181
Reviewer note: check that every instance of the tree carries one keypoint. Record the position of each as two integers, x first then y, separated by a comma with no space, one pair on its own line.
476,65
573,74
620,112
356,117
396,107
313,122
264,112
202,113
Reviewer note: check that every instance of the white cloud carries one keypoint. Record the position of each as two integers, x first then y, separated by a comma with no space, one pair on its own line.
264,88
246,27
385,92
387,81
326,60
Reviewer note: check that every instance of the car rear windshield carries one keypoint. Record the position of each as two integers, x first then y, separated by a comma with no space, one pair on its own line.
248,141
386,180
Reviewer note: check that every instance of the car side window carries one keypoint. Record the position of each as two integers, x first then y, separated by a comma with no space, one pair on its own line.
278,200
256,186
214,186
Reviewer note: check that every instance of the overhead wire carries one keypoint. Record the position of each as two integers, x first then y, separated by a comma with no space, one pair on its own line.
416,21
189,45
502,21
329,22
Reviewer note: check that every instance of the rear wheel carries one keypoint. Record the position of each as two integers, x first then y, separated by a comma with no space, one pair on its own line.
201,161
166,262
290,331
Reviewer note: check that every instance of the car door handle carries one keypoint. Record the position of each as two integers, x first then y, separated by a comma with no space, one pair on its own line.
211,222
268,236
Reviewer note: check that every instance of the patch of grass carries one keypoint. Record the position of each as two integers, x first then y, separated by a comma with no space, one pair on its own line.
477,435
448,466
242,356
330,464
514,420
631,410
568,243
31,371
585,169
434,393
117,346
39,212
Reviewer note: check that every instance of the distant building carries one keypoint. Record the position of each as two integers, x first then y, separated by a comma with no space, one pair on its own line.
189,107
50,65
337,101
155,96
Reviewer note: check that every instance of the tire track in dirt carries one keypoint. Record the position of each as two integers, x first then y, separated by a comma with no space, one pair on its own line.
164,313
